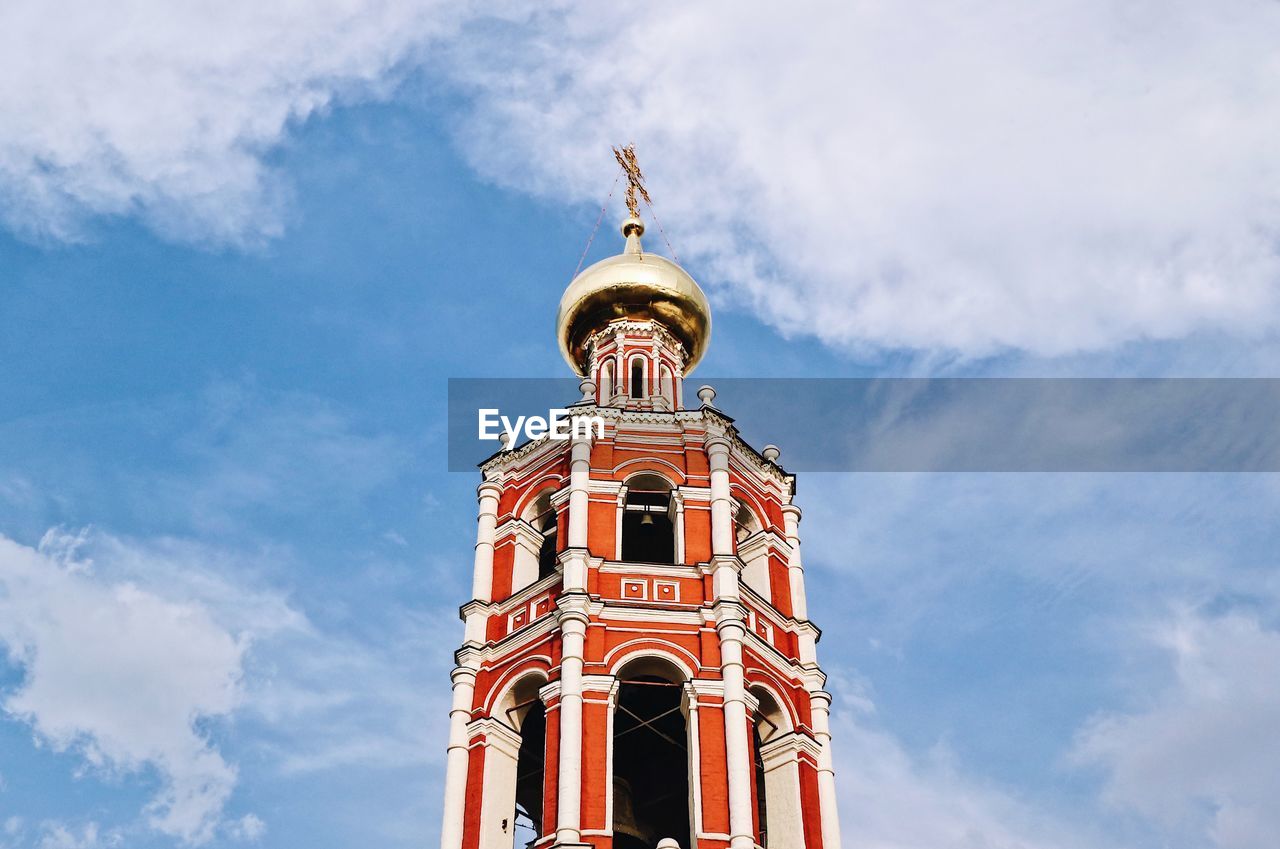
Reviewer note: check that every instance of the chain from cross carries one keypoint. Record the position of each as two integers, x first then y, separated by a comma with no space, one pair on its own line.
626,157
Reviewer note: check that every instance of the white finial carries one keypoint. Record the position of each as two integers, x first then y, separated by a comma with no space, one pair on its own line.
588,388
505,439
668,843
706,395
771,453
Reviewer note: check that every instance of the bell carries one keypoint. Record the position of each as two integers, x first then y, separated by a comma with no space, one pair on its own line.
646,519
624,818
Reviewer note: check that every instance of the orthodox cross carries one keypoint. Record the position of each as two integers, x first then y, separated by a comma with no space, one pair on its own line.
635,180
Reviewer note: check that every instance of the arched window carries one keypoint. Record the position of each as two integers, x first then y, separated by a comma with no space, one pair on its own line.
637,377
650,758
648,534
607,378
751,549
745,523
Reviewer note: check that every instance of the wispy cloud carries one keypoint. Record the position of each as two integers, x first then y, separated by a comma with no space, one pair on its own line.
1198,756
891,798
168,113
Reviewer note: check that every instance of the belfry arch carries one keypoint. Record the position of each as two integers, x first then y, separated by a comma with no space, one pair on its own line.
651,774
512,811
648,527
779,820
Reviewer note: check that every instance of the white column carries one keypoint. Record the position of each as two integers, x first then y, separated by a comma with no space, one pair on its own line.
795,567
573,628
737,743
486,524
731,630
575,567
721,501
455,778
820,704
464,676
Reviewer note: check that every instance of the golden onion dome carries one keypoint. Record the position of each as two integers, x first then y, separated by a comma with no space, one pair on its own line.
633,285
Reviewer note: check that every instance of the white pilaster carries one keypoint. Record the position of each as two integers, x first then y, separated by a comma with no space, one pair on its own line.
721,500
795,566
806,637
575,567
573,629
731,630
820,703
737,743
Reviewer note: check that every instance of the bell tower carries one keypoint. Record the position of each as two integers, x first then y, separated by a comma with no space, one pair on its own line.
638,668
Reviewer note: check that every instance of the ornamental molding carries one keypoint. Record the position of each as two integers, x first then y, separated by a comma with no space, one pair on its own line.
615,333
787,750
497,734
652,614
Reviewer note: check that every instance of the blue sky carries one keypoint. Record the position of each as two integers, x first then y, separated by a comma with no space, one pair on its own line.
243,252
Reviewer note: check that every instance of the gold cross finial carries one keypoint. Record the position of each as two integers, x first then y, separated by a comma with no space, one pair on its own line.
635,180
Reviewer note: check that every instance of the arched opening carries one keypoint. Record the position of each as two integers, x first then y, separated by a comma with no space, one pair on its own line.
758,782
515,750
648,532
650,758
751,549
637,377
530,777
545,522
777,774
536,542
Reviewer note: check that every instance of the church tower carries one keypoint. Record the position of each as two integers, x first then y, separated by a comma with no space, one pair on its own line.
638,668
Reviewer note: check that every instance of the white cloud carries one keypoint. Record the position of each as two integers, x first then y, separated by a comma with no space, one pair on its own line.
249,828
167,111
1051,177
60,836
1199,756
123,674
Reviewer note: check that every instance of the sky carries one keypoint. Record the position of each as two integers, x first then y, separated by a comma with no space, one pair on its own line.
244,246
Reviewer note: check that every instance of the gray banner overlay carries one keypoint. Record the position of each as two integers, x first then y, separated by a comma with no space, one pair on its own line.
950,424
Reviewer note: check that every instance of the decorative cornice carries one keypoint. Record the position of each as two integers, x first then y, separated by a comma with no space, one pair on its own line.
615,331
497,734
787,748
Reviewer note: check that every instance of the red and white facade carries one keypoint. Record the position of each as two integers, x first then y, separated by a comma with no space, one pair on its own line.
562,657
